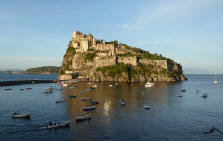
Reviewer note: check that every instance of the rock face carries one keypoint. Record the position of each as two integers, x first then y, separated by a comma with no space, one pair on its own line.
90,59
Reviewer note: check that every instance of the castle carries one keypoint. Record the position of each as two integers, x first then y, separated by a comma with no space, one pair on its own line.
82,43
107,54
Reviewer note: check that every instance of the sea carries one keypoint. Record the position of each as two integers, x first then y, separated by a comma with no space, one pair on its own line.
170,118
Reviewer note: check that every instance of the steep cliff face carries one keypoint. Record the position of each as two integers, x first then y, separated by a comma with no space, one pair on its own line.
93,60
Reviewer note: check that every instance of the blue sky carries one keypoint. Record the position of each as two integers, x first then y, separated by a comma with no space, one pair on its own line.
36,33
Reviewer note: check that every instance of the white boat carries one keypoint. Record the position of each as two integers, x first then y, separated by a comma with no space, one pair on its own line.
26,116
204,95
146,106
94,86
59,125
49,90
64,85
122,102
149,84
196,91
89,108
83,118
110,85
215,80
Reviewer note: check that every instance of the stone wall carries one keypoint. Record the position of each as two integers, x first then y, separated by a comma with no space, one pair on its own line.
159,63
105,47
127,60
104,61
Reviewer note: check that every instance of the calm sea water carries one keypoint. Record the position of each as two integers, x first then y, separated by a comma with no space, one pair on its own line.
170,119
13,77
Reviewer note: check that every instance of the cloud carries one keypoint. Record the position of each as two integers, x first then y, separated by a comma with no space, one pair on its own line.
162,12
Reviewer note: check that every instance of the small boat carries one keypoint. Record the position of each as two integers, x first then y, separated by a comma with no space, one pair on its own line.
21,89
146,106
60,101
72,96
215,80
149,84
58,125
196,91
59,88
64,85
179,95
122,102
52,86
183,90
25,116
204,95
72,87
111,86
86,99
89,108
49,90
75,81
28,88
94,102
83,118
94,86
7,89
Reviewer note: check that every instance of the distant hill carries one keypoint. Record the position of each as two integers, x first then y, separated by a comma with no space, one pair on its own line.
44,69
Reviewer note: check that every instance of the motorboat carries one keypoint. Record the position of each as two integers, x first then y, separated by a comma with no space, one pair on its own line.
215,80
94,86
146,106
149,84
58,125
25,116
110,85
83,118
204,95
64,85
89,108
28,88
48,90
179,95
94,102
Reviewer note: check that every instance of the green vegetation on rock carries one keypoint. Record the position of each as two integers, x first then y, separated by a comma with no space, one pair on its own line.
44,69
90,56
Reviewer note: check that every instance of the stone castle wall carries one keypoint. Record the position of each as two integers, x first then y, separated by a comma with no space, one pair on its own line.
127,60
106,61
159,63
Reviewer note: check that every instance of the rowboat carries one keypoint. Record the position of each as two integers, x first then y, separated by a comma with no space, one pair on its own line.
49,90
183,90
26,116
83,118
59,125
89,108
28,88
7,89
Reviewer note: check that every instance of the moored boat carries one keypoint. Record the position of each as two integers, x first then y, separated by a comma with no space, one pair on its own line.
179,95
122,102
204,95
48,90
183,90
28,88
149,84
60,101
146,106
58,125
83,118
89,108
72,96
94,102
86,99
196,91
25,116
7,89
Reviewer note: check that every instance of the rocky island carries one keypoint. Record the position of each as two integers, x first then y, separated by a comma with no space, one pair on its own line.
89,59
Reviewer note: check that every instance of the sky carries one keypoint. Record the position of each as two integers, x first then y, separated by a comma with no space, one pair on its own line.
36,32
